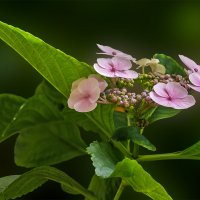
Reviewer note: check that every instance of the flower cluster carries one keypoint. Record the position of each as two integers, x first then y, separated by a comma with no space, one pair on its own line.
126,88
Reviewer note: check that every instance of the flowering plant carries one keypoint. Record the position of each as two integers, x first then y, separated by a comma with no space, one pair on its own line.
117,98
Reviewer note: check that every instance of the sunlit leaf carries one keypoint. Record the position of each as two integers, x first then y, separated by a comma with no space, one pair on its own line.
141,181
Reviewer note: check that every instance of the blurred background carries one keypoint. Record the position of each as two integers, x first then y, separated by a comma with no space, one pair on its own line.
138,27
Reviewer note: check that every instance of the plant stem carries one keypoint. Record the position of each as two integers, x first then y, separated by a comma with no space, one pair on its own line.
120,190
155,157
136,146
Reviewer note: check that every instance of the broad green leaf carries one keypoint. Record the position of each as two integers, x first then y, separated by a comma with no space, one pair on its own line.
192,153
10,105
33,179
48,144
133,133
6,181
141,181
104,157
54,65
162,112
51,94
57,68
104,189
36,110
172,67
99,120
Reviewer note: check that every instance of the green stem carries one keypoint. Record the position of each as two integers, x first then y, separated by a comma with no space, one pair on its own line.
136,146
121,148
120,190
155,157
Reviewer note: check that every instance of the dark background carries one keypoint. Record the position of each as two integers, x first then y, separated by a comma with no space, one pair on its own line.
140,28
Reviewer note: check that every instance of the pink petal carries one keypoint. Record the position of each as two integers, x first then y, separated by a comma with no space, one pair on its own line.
195,78
108,50
104,72
113,52
84,106
189,63
121,63
184,103
74,97
175,90
90,87
126,74
160,100
105,63
76,83
160,89
102,83
196,88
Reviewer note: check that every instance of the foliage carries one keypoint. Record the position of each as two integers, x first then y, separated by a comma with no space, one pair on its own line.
48,131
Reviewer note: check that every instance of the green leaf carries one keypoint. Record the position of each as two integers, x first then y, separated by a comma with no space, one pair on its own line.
172,67
134,175
107,188
162,112
99,120
133,133
47,90
10,105
192,153
33,179
59,69
54,65
6,181
120,119
36,110
104,157
48,144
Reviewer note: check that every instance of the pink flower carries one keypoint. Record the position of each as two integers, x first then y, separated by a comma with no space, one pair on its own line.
85,93
113,52
102,83
115,67
195,80
194,73
190,64
172,95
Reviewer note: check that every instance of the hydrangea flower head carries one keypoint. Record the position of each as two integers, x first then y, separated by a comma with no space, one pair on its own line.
115,67
113,52
172,95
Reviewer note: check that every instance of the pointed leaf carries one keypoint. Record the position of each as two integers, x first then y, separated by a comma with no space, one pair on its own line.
31,180
48,144
36,110
133,133
56,67
10,105
162,112
172,67
141,181
104,157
